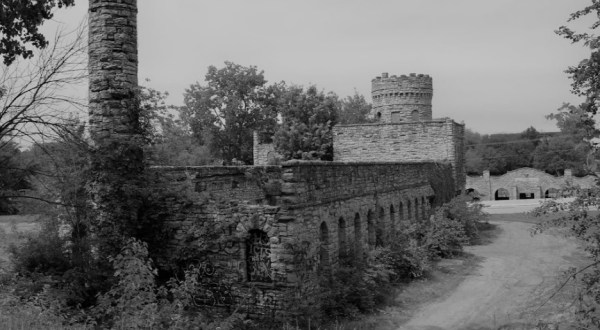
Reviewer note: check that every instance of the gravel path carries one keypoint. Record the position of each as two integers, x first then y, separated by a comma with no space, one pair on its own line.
517,274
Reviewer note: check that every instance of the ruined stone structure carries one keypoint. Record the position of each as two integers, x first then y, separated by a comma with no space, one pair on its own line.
406,131
402,99
261,236
525,183
280,227
283,226
117,162
113,66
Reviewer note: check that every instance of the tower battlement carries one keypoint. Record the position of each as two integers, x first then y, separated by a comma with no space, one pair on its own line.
404,98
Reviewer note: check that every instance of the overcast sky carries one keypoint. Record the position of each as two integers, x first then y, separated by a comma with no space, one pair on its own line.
496,65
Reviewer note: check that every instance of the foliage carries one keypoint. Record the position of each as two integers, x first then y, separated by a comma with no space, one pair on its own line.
557,154
34,97
14,177
585,74
235,102
357,286
580,221
19,23
574,122
354,110
307,118
361,283
169,141
132,301
137,301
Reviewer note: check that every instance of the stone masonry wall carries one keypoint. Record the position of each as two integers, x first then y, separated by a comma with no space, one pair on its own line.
396,98
264,152
308,213
524,180
434,141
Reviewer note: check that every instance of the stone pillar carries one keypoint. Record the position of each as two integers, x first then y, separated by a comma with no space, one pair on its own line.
514,193
117,157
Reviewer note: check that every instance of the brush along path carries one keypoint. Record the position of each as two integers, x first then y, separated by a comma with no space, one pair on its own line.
517,275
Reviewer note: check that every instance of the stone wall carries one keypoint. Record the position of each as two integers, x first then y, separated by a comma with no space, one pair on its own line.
402,99
276,228
434,141
525,180
264,150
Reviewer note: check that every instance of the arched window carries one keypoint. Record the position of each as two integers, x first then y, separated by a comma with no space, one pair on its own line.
423,208
341,237
324,247
400,212
392,220
371,229
258,257
501,194
417,209
408,211
357,233
551,193
414,115
380,227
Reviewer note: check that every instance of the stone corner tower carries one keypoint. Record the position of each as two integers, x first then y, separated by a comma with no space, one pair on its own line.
402,99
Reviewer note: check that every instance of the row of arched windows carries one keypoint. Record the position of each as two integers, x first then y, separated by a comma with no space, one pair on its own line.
375,231
258,248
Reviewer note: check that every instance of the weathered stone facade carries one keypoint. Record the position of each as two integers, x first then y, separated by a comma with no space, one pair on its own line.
113,68
264,150
525,183
282,226
261,235
435,141
402,99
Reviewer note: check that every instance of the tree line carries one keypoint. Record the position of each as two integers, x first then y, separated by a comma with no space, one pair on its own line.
569,148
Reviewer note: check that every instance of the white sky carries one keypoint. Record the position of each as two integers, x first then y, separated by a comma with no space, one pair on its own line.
496,65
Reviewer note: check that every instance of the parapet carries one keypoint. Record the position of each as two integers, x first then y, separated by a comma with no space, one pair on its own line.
403,83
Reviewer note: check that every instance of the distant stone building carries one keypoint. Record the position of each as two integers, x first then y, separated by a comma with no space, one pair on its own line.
525,183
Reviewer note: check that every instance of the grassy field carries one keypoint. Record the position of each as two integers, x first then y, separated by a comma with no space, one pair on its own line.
12,229
14,314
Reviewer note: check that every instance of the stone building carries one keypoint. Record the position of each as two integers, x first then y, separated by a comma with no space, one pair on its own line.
405,131
282,226
261,236
525,183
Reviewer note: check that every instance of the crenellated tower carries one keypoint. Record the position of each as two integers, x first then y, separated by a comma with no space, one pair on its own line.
402,99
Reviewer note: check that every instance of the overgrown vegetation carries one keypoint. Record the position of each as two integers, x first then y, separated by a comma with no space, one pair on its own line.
580,219
364,281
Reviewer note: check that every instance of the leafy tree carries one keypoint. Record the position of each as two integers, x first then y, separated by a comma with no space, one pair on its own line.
169,141
14,176
585,74
556,154
531,134
574,122
354,110
308,116
19,23
235,102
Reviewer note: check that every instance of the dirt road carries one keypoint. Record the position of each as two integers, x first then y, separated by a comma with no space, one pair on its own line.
518,273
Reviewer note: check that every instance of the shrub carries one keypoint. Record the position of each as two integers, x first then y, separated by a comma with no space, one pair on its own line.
358,285
407,257
43,252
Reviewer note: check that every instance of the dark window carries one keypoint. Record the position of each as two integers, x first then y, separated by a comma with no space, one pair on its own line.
258,257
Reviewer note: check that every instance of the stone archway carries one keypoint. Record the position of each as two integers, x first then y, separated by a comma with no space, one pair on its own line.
501,195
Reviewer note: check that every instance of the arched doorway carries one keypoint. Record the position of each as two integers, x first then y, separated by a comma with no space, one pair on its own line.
552,193
501,195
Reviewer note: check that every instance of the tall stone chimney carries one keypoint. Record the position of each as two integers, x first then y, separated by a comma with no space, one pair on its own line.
117,159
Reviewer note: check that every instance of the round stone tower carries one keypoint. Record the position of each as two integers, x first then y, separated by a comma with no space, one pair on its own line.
402,99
